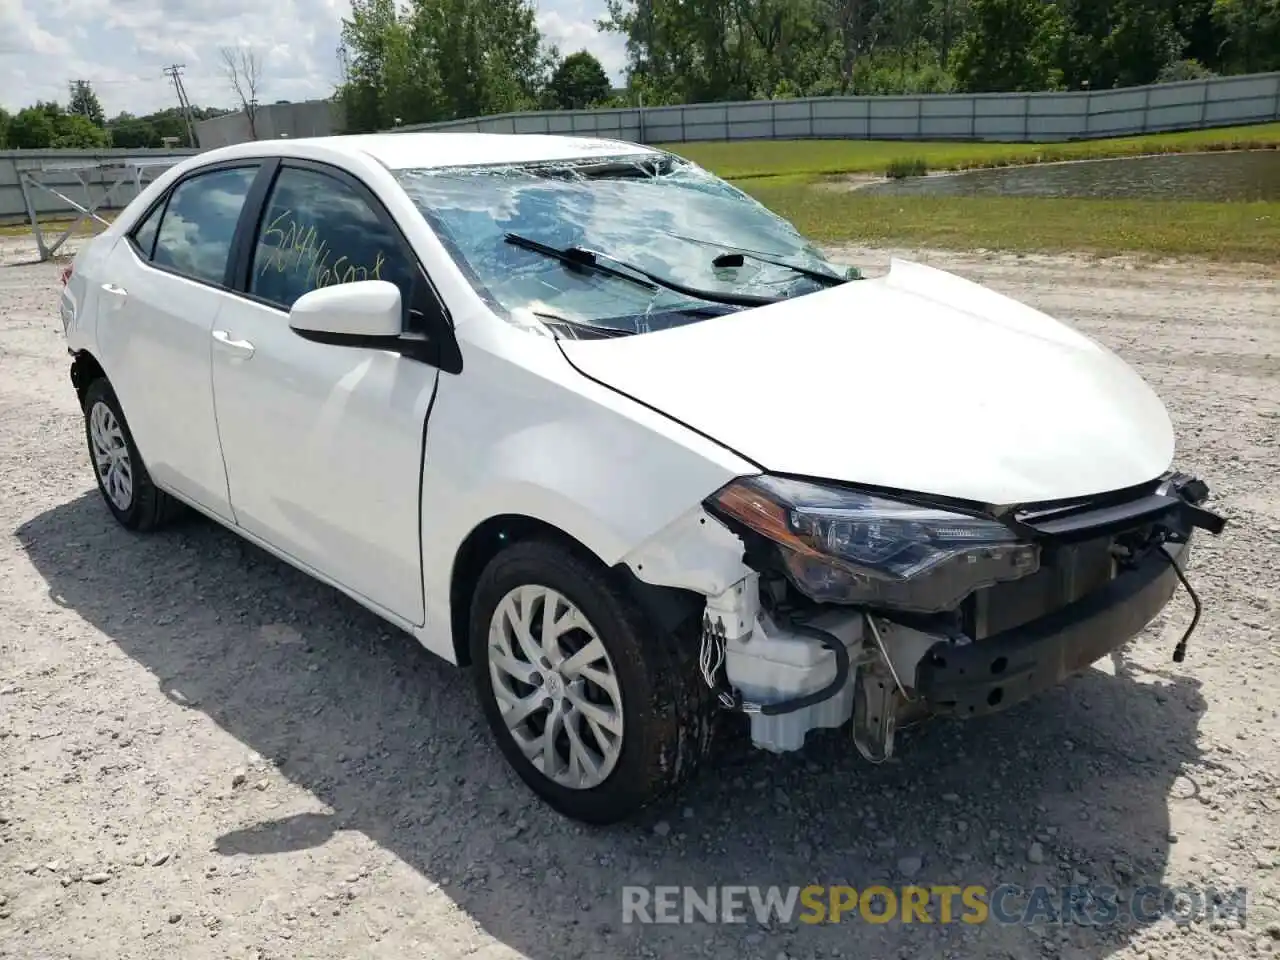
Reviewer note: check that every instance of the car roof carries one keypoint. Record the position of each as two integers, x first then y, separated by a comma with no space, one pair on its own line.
400,151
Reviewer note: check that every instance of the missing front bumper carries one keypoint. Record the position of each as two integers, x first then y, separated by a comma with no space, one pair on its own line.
1115,563
976,678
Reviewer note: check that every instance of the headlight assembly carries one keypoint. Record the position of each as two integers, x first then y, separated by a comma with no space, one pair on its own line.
844,546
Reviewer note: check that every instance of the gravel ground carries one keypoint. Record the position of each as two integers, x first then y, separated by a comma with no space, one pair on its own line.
207,755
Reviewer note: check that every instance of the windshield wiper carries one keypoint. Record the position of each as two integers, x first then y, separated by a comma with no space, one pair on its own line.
726,260
583,259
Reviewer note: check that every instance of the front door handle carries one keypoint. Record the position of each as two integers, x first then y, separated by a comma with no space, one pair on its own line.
241,348
114,290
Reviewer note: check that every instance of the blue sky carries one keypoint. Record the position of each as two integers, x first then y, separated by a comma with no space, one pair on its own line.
121,46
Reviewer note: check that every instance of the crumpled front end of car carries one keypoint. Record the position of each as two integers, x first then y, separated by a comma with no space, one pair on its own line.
885,607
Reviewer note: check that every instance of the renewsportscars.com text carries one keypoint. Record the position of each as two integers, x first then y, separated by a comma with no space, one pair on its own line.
939,904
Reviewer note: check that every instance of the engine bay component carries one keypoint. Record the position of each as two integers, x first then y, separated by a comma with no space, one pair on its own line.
787,676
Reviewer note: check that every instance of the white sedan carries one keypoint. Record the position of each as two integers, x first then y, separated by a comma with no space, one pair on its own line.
585,417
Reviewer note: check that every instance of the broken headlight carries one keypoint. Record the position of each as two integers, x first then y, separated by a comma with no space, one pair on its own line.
844,546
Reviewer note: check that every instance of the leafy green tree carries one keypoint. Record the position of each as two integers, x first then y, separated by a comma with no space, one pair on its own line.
686,50
4,128
1204,37
1180,70
439,60
1144,37
579,81
691,50
171,123
32,127
71,131
1252,34
85,103
1009,45
133,133
367,84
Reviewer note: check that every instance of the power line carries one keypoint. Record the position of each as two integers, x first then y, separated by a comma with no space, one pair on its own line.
138,81
174,73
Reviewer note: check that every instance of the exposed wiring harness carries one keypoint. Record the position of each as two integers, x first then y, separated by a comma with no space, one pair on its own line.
711,658
1180,651
1131,556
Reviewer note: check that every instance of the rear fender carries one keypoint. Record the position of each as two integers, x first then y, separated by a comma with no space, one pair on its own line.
81,297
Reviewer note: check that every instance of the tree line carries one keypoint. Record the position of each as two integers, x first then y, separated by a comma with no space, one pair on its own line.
81,124
418,61
692,50
429,60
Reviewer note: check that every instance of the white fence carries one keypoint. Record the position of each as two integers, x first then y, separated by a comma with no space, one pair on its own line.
1194,104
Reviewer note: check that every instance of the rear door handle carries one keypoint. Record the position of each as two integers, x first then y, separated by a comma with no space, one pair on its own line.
241,348
117,297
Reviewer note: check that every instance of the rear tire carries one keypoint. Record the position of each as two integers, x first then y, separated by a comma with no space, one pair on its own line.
631,716
123,481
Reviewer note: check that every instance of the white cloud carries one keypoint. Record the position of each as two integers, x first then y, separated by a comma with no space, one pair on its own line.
122,46
570,24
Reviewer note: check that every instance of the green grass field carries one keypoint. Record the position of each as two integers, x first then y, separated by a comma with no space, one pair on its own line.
54,224
1246,232
788,177
742,160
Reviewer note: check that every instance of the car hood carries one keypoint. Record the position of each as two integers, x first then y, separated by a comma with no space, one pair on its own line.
919,380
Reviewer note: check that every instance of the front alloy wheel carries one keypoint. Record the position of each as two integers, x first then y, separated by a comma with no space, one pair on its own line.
556,687
598,710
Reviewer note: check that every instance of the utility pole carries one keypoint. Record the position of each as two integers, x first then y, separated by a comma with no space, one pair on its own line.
174,73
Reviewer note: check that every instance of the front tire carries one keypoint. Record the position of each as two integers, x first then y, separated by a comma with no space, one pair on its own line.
600,712
123,480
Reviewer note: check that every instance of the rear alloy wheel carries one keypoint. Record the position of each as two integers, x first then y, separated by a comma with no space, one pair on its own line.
122,477
598,711
110,456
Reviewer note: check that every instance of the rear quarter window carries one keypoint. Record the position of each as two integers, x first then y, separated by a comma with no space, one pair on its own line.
143,236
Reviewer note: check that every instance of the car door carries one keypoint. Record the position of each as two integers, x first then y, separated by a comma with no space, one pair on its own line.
323,443
162,287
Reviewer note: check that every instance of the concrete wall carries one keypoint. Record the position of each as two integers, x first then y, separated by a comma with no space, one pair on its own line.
312,118
990,116
95,182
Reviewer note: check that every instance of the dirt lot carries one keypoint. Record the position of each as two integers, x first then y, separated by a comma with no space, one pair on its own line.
207,755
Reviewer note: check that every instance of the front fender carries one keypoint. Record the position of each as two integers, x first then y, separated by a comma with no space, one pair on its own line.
540,441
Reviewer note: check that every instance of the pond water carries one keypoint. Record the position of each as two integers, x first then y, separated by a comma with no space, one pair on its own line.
1242,175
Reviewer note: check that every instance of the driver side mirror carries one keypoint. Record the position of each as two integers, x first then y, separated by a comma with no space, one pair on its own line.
352,313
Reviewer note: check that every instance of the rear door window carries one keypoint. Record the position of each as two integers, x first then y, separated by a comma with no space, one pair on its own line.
199,223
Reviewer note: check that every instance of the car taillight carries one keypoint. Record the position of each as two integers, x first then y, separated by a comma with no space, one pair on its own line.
66,273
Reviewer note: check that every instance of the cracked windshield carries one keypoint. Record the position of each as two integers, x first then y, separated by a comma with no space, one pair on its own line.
508,228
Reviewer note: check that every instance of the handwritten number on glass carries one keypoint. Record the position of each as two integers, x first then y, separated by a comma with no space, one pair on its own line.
293,246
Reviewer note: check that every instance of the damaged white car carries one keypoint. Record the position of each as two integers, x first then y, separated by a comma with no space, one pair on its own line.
589,419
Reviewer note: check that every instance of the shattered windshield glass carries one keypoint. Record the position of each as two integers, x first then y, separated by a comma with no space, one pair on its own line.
507,227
